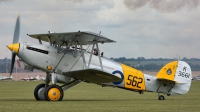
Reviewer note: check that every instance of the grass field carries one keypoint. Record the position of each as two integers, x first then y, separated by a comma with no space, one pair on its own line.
18,97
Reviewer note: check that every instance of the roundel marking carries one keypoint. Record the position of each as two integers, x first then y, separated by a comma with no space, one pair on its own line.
169,71
117,72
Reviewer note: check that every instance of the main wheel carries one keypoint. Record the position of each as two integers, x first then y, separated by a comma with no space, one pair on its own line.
39,92
54,93
161,97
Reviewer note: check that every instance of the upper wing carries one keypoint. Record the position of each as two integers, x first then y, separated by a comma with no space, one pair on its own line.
85,37
93,75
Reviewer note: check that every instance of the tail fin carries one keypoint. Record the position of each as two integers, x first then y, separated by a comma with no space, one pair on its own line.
178,72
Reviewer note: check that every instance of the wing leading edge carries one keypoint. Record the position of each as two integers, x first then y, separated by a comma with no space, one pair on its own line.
93,75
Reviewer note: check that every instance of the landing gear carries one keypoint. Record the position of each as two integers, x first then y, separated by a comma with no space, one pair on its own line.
161,97
39,92
54,93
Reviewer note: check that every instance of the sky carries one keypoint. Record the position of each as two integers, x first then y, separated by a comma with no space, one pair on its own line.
141,28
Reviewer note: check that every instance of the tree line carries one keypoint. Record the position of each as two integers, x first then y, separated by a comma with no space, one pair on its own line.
152,66
120,59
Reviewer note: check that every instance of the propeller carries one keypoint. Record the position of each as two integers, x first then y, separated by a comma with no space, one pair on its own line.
15,40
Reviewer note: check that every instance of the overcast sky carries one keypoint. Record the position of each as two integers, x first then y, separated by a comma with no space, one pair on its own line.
141,28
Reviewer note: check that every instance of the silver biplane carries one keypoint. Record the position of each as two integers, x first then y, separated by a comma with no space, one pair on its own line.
66,61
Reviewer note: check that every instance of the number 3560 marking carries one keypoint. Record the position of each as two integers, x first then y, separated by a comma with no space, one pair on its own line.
134,81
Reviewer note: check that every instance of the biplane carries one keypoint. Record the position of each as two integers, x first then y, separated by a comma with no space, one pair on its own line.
66,61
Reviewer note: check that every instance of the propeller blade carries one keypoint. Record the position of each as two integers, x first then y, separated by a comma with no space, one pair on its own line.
12,63
15,40
17,30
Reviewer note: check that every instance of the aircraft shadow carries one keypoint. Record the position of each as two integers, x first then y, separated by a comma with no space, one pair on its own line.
78,100
17,100
64,100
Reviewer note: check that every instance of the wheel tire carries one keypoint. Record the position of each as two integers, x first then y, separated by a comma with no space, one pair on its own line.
39,92
161,97
54,93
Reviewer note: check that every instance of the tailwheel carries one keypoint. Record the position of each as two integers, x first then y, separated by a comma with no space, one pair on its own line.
54,93
161,97
39,92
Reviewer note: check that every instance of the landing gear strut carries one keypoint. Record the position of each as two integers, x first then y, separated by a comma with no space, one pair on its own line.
52,92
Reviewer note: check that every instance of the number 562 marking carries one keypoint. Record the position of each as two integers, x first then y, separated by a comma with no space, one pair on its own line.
134,81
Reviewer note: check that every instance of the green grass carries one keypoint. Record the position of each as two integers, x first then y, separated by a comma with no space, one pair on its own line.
18,97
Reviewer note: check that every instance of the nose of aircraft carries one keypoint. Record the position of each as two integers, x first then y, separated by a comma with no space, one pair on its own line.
14,47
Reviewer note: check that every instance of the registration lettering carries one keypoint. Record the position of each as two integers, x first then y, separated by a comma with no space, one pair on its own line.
184,73
134,81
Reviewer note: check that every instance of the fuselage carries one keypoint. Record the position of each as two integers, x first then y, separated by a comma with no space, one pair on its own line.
48,59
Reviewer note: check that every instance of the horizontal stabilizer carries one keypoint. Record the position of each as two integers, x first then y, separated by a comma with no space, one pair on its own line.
166,80
93,75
